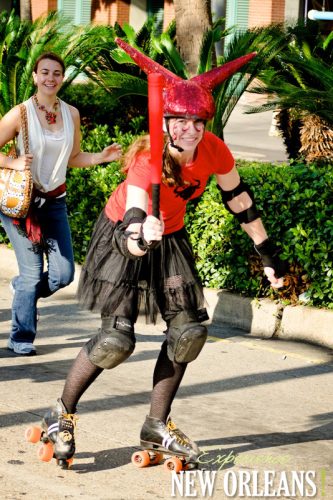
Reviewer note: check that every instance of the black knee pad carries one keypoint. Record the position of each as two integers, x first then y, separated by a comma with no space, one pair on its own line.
185,339
113,344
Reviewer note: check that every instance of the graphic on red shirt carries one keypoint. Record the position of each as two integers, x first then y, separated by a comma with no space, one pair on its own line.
188,191
213,157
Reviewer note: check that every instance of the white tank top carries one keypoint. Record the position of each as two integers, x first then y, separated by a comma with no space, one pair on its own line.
53,144
50,150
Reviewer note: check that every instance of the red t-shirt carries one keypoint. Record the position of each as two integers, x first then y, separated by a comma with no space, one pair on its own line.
213,157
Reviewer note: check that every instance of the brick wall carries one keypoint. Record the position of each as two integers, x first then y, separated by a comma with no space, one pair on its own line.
110,11
263,12
123,7
169,13
40,7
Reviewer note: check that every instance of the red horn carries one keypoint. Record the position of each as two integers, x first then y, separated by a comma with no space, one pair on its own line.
145,63
216,76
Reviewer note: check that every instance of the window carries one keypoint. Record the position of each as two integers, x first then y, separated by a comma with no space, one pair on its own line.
79,11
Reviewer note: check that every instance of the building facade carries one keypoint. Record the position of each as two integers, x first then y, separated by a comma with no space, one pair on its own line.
243,13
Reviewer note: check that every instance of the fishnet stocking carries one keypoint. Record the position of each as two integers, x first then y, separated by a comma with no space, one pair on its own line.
166,380
80,377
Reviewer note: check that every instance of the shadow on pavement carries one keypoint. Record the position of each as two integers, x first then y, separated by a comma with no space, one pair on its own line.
57,370
223,456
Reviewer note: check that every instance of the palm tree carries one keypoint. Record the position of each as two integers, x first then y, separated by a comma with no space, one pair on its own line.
193,18
25,10
22,42
299,82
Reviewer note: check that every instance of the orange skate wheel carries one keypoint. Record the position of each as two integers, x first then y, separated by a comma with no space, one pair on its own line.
45,452
173,464
141,458
157,458
33,434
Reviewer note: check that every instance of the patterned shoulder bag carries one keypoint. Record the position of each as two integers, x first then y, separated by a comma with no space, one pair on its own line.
16,185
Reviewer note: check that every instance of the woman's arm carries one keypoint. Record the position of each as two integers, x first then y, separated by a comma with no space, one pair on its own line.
81,159
138,232
240,202
9,127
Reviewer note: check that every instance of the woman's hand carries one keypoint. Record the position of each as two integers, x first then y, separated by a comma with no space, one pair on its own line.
274,281
22,162
152,229
111,153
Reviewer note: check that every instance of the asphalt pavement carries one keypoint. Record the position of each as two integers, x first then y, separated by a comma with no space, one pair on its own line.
260,410
253,136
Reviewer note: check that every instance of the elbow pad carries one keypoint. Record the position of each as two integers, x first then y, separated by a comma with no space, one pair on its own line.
245,216
121,235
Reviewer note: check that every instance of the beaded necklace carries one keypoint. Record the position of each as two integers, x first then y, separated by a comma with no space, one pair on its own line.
50,116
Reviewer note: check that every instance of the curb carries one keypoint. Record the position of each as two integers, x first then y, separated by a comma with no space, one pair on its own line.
266,319
259,317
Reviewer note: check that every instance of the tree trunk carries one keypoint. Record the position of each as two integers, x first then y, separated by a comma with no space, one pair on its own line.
289,126
316,140
25,10
193,18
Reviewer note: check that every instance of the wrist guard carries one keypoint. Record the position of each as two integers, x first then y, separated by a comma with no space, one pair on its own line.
245,216
144,245
121,235
269,254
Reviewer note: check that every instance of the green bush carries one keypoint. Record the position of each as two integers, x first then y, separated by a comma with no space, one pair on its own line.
297,210
98,107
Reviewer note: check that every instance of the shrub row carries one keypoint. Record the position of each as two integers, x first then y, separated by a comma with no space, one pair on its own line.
98,107
297,209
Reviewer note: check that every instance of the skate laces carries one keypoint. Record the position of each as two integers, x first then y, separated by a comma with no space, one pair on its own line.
69,420
67,425
177,433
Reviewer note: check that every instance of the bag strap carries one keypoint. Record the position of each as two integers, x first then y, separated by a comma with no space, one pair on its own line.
24,127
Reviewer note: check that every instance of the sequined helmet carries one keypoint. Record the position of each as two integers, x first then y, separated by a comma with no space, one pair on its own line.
187,98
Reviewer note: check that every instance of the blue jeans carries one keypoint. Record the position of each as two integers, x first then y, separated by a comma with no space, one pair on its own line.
33,282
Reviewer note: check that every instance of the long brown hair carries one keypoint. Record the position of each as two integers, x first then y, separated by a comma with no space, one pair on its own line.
171,169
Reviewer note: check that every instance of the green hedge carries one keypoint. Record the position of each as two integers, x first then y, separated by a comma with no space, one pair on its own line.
98,107
88,189
297,208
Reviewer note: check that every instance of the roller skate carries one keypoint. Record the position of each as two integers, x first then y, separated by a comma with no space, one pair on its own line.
159,439
56,434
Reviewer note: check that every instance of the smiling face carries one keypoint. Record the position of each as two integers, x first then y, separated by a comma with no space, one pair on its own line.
48,77
186,133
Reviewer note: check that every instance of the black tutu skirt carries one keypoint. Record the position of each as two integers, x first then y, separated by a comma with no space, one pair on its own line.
164,280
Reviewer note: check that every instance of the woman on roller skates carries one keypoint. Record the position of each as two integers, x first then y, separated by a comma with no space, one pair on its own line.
135,258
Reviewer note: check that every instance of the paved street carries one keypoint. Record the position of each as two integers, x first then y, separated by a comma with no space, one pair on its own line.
259,405
247,135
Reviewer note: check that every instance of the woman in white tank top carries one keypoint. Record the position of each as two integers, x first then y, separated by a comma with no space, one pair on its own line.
54,145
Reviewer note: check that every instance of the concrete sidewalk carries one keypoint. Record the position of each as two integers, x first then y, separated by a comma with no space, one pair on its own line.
255,407
260,318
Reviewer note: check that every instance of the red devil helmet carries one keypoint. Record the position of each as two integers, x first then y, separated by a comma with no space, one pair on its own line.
187,98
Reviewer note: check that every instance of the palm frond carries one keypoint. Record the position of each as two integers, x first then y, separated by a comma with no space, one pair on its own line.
122,84
210,38
164,45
